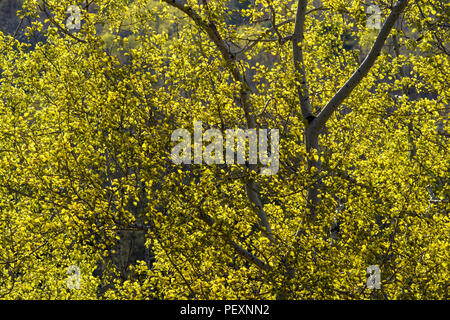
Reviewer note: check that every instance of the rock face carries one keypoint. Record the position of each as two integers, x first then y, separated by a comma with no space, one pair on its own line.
11,24
8,17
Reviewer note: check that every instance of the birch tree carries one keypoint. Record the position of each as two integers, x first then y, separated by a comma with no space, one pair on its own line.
89,191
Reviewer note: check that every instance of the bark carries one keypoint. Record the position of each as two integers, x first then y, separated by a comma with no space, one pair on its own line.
299,67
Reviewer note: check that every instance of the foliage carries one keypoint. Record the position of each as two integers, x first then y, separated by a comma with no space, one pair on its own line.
86,174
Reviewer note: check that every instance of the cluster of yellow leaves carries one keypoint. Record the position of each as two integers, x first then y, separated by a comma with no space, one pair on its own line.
85,145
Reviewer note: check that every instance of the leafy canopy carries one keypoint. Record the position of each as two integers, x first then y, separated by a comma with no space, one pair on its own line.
86,176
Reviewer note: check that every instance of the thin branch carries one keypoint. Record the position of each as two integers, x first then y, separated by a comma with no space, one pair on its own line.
211,222
264,34
44,9
274,21
239,250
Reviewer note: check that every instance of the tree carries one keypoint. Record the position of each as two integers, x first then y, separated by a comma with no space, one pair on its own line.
87,179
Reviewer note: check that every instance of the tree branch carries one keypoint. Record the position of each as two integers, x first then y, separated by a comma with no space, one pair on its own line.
299,66
244,99
361,72
239,250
